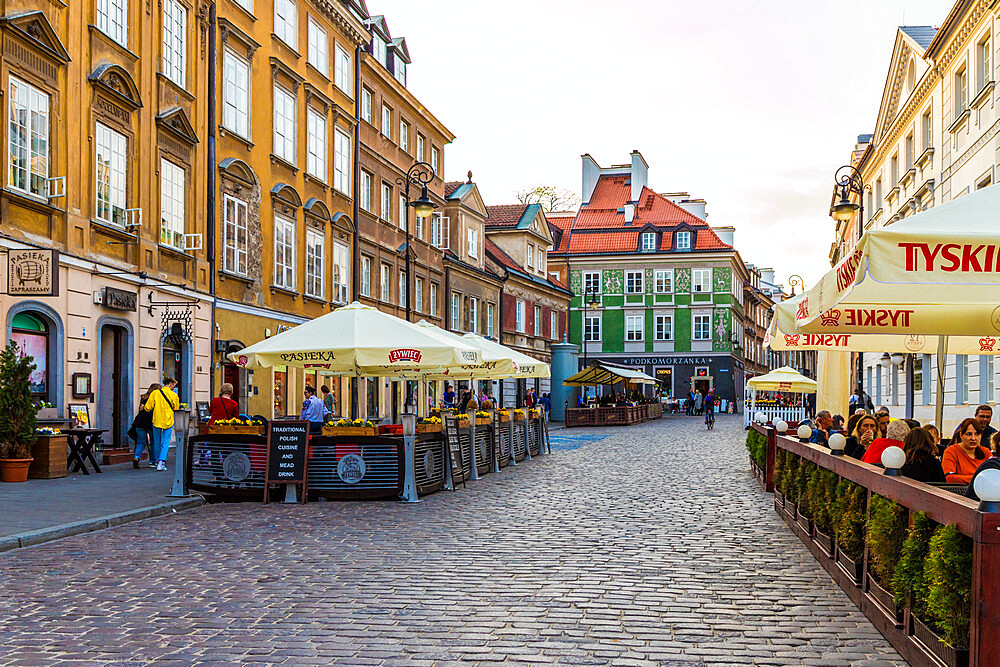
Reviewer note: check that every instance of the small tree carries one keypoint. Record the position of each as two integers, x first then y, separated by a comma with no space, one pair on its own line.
550,197
17,411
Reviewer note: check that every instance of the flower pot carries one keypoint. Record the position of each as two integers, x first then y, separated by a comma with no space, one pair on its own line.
884,599
235,429
946,653
47,413
849,567
48,454
823,541
349,430
805,523
428,428
14,470
483,421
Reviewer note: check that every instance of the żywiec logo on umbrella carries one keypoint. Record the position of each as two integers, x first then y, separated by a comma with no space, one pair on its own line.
404,354
830,318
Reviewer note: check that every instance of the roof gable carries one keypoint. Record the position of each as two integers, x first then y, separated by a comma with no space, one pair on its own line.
467,194
36,29
906,69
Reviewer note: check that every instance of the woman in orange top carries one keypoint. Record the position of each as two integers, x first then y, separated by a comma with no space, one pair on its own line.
961,460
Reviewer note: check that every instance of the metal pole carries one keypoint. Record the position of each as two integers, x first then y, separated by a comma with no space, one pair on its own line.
406,214
409,458
179,489
472,445
939,407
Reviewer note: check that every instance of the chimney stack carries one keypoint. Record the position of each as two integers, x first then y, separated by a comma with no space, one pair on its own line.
640,172
591,173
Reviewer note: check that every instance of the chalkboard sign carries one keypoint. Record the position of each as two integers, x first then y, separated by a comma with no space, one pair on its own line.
204,413
454,448
287,442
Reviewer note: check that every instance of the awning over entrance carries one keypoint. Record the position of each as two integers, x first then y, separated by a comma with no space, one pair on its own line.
601,374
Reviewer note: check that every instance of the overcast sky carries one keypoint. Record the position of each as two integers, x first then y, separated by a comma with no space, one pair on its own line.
749,105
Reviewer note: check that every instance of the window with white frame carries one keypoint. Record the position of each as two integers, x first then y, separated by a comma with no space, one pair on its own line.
386,122
402,289
592,328
341,276
235,94
286,22
342,163
404,211
663,281
418,294
432,311
235,235
316,144
404,136
386,211
28,166
342,70
474,315
171,205
634,327
633,282
456,311
400,66
284,125
490,308
591,282
385,283
554,325
440,231
683,240
366,105
319,52
112,19
315,256
962,378
420,147
961,92
648,241
984,59
989,368
472,246
926,130
379,49
531,256
175,42
284,252
366,276
366,191
538,321
519,316
663,327
418,227
702,327
112,175
435,160
701,280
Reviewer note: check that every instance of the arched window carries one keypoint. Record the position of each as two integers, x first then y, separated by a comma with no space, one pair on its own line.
32,336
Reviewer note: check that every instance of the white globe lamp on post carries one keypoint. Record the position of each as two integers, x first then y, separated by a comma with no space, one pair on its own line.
781,426
987,487
837,443
893,459
804,432
760,418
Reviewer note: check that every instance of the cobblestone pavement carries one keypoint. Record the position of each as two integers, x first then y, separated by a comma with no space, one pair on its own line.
652,546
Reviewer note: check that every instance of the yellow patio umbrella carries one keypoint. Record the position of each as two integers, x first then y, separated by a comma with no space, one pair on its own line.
783,379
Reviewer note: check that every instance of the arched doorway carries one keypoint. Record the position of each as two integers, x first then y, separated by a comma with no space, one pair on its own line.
38,331
114,380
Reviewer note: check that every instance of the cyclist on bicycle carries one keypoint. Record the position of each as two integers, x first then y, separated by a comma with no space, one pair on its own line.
709,407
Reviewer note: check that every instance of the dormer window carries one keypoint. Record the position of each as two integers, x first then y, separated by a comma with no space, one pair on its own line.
400,68
378,49
683,240
648,242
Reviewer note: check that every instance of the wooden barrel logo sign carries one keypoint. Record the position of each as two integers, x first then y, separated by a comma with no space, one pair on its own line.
430,469
236,466
351,469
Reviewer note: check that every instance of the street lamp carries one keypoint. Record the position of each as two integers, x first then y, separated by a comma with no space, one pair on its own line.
849,180
795,280
420,174
591,299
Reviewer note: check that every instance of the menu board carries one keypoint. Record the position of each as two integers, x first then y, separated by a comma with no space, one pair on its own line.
287,442
454,447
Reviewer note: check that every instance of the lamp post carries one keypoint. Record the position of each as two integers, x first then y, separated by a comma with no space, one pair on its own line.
795,280
849,180
420,174
591,297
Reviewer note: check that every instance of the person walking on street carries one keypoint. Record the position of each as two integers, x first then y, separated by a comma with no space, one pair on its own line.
162,404
529,398
142,429
312,410
546,402
329,401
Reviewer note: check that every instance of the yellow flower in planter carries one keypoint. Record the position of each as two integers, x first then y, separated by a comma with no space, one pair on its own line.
482,414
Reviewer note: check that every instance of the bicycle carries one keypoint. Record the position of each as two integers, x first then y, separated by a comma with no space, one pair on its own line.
710,420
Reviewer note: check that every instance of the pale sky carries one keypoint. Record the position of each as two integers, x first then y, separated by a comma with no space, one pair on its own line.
749,105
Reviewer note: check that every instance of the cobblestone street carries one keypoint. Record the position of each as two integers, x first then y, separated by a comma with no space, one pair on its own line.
653,545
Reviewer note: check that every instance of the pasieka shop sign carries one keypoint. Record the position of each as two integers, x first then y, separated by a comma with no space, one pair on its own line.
33,272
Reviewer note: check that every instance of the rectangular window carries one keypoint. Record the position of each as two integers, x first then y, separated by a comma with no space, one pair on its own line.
400,66
343,73
420,147
284,252
592,328
538,321
633,327
702,327
440,231
663,281
286,23
366,105
379,50
29,138
990,383
316,144
554,325
531,256
402,289
366,276
985,60
418,230
404,136
519,316
701,280
878,192
474,315
366,191
683,240
633,282
418,294
386,202
171,205
908,150
591,282
456,311
319,53
112,19
342,163
284,125
489,320
961,91
648,242
434,300
236,94
235,241
664,327
473,242
404,213
962,378
894,168
341,276
315,256
927,129
175,41
386,122
112,175
435,160
385,284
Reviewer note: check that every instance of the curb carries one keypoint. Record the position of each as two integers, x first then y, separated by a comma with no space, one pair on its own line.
42,535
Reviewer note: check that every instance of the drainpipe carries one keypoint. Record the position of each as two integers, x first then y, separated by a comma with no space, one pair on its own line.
447,297
356,185
210,198
500,333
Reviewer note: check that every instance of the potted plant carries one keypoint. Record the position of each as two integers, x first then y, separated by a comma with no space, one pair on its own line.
779,479
822,490
17,414
48,453
45,410
790,485
908,586
429,425
483,418
850,508
503,414
519,415
886,527
804,513
361,427
948,579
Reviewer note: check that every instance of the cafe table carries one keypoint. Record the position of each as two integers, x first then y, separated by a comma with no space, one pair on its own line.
81,448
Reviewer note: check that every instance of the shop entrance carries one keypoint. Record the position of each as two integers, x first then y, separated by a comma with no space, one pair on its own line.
702,385
173,365
113,390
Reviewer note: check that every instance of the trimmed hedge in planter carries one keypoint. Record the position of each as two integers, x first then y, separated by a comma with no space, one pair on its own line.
850,525
757,448
948,576
908,586
886,531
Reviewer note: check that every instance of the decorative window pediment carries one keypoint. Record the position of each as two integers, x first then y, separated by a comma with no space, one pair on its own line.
286,194
317,209
36,30
238,171
176,122
115,80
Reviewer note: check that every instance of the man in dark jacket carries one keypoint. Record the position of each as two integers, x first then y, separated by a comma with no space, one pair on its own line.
984,414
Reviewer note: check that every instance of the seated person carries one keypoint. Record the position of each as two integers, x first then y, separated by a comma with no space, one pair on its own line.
862,436
882,415
936,435
988,464
984,414
838,424
821,431
922,463
894,434
961,460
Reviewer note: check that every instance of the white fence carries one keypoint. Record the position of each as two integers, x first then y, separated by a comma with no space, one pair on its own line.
773,412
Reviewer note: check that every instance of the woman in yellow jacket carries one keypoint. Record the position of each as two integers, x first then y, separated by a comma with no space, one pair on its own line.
162,404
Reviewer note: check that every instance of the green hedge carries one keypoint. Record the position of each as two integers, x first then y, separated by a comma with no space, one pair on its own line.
779,470
948,576
822,492
886,531
850,509
790,478
757,448
802,477
908,585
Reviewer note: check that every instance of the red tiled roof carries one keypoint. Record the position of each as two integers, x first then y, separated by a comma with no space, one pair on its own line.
499,255
505,215
451,186
558,283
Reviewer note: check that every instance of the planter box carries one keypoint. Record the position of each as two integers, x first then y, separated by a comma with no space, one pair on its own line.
849,567
47,413
504,418
779,500
49,453
805,523
483,421
234,429
421,428
824,542
518,418
352,430
946,653
884,599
